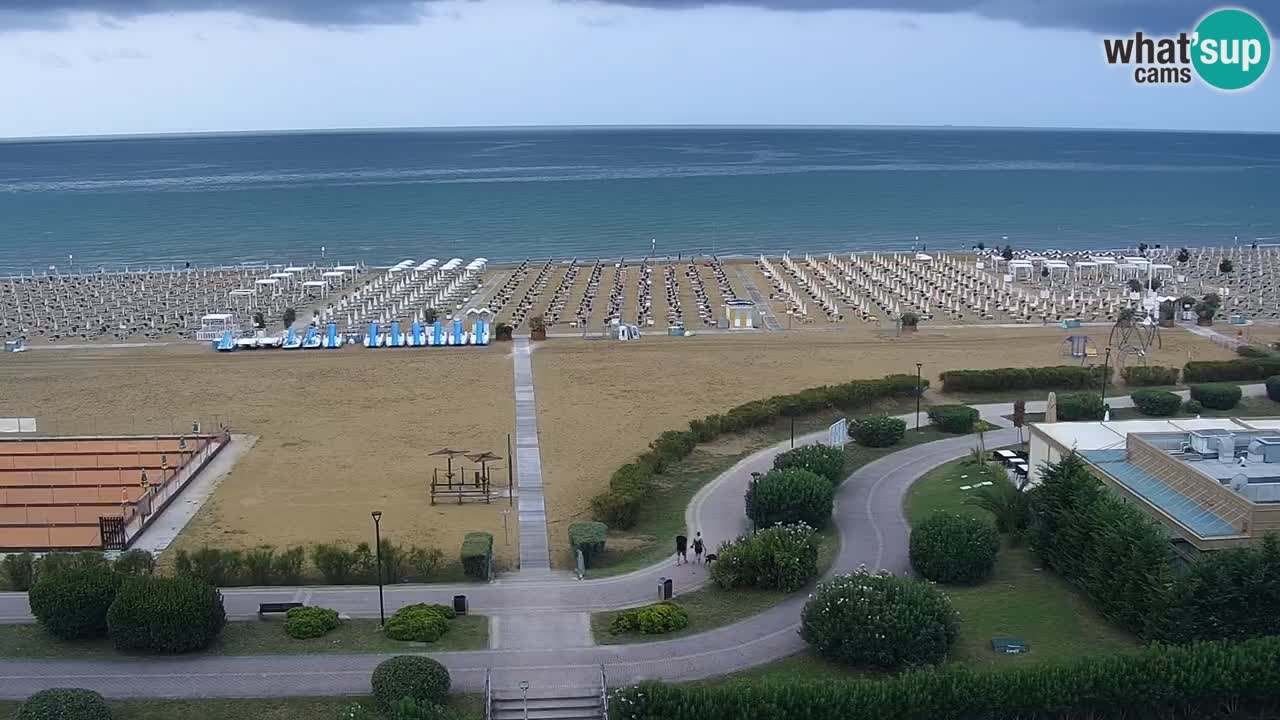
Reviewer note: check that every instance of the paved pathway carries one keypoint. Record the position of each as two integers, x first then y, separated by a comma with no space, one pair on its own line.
535,553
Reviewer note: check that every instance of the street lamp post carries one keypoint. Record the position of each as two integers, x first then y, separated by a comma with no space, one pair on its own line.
918,366
1106,370
377,540
755,523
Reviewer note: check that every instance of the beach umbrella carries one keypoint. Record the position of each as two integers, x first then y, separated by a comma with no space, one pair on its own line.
484,459
1051,408
449,454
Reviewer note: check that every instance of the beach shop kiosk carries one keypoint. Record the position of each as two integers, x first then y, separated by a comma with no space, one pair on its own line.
740,314
216,325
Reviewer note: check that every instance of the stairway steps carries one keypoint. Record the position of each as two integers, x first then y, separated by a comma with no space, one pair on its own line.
548,704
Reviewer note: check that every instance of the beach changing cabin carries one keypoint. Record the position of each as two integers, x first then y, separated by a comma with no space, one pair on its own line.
740,314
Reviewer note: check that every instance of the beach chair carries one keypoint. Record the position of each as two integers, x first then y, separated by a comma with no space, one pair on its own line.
291,340
312,339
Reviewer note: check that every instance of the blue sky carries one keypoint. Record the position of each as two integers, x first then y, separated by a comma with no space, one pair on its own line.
77,67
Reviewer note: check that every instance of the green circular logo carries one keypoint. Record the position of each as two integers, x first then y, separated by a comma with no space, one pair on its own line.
1232,49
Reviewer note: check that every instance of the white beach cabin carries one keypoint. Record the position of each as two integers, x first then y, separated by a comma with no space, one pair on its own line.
215,325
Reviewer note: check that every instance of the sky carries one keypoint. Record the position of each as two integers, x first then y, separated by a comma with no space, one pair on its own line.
106,67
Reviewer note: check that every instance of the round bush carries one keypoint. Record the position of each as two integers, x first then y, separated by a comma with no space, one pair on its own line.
954,549
786,497
65,704
1216,396
658,619
419,623
1080,406
877,431
822,460
1273,387
879,621
1192,407
416,677
953,418
310,622
72,604
165,615
783,558
1156,403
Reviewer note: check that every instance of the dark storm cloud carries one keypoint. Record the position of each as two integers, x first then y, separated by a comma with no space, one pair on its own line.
1097,15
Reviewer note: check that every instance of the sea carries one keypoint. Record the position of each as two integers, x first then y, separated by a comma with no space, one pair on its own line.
381,197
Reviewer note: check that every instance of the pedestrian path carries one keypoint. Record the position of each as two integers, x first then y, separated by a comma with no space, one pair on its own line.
531,506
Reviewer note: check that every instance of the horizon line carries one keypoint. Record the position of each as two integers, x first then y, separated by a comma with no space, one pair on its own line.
527,128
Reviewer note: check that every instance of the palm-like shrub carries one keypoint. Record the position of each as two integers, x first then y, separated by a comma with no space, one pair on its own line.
786,497
1010,506
304,623
879,621
783,558
819,459
73,604
954,549
65,704
418,678
165,615
877,431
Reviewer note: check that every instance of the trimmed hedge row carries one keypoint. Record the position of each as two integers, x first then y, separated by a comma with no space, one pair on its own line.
633,484
953,418
22,570
589,537
1156,403
1147,375
877,431
1238,369
1080,406
1058,377
657,619
477,555
1208,681
1122,560
65,704
1217,396
334,564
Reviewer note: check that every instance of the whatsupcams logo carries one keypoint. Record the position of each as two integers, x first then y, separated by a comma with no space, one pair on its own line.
1229,50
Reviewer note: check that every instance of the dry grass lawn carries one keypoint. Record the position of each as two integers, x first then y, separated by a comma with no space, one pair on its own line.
341,433
600,403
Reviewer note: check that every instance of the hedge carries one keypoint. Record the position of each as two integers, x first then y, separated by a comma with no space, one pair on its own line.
1273,388
1057,377
783,558
1216,396
1146,375
477,555
633,484
589,537
1156,403
1122,559
954,549
331,563
1208,681
165,615
879,621
820,459
1238,369
420,623
416,677
65,704
73,604
657,619
19,571
1080,406
786,497
877,431
304,623
953,418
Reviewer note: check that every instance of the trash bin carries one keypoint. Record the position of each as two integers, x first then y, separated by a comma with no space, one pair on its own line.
460,604
664,589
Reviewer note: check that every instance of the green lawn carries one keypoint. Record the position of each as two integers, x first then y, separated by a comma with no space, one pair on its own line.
663,517
470,632
712,607
469,707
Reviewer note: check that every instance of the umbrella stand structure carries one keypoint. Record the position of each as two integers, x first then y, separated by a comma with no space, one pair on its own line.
449,454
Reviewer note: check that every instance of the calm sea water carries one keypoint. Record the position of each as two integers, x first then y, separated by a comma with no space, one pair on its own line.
509,194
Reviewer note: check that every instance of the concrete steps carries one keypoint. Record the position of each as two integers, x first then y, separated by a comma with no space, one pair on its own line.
548,704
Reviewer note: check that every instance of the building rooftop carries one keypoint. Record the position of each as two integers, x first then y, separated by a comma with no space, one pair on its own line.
1187,511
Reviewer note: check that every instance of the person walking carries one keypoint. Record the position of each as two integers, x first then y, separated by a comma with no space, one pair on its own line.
682,549
697,546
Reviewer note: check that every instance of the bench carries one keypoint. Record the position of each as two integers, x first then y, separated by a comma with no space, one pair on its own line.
276,607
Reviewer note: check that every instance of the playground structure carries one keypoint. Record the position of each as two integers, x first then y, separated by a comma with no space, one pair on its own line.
463,484
1134,336
101,492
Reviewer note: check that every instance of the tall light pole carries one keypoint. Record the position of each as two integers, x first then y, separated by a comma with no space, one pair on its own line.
377,543
1106,370
918,366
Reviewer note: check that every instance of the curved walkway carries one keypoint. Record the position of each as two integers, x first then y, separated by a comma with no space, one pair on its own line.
868,514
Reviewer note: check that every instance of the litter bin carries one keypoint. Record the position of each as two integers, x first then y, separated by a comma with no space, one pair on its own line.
664,589
460,604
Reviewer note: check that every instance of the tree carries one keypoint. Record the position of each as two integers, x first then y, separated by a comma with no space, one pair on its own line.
1134,285
1226,266
1154,284
289,316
